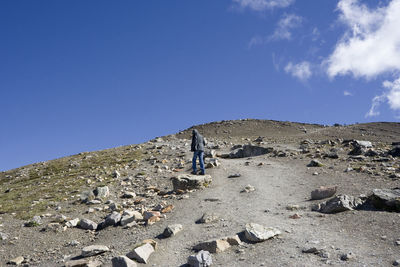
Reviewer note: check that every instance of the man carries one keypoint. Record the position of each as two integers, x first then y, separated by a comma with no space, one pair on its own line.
197,147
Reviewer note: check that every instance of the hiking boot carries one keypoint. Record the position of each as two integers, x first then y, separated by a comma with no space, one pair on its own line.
202,173
193,172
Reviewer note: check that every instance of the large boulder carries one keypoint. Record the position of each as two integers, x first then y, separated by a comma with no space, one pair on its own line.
338,204
188,182
257,233
250,151
387,199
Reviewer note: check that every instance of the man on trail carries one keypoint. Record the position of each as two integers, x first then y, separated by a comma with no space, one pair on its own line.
197,147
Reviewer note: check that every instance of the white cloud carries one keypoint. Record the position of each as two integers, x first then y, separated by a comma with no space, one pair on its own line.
302,70
347,93
283,29
260,5
371,45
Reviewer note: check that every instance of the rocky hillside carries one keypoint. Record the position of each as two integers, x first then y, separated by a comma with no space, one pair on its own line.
275,193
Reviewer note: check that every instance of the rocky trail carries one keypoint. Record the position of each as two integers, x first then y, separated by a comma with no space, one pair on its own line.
295,198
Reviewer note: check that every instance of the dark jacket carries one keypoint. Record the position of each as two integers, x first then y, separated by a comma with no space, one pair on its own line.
198,142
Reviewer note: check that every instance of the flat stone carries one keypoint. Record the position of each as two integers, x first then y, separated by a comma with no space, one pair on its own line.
87,224
258,233
249,151
201,259
93,250
213,246
82,263
188,182
122,261
323,192
172,229
315,163
141,253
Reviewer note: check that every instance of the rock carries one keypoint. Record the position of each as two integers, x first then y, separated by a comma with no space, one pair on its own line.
295,216
87,196
201,259
93,250
3,236
72,223
323,192
293,207
347,256
248,188
235,175
128,194
371,153
338,204
16,261
36,221
249,151
102,192
148,214
258,233
315,163
172,229
113,218
87,224
396,262
55,227
331,155
59,218
188,182
141,253
151,242
208,218
122,261
116,174
212,163
364,144
387,199
130,216
167,209
213,246
357,151
210,153
395,152
233,240
82,263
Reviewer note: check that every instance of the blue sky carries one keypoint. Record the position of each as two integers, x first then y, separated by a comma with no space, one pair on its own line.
87,75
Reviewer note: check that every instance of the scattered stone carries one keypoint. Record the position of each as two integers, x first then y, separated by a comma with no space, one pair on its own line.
233,240
347,256
235,175
59,218
248,188
36,221
387,199
295,216
113,218
331,155
188,182
397,242
102,192
213,246
55,227
167,209
93,250
315,163
128,194
72,223
292,207
172,229
395,152
201,259
371,153
396,262
148,214
87,196
16,261
208,218
258,233
130,216
87,224
3,236
323,192
338,204
116,174
122,261
141,253
212,163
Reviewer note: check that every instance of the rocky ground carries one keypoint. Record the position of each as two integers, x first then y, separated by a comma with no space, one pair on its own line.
275,194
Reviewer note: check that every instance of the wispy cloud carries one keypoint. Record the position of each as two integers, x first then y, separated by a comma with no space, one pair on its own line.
260,5
286,24
347,93
302,70
370,47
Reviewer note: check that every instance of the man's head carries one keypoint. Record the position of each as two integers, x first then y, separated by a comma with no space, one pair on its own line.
195,132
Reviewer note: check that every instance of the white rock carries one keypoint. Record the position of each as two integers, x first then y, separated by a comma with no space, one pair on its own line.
93,250
123,261
141,253
258,233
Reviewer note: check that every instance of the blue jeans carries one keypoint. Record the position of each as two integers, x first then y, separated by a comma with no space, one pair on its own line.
199,154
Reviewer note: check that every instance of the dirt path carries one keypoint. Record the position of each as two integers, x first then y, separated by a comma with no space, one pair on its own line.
277,184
